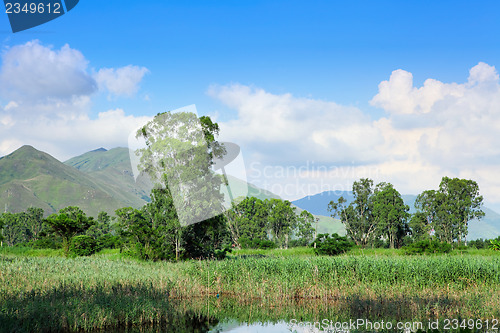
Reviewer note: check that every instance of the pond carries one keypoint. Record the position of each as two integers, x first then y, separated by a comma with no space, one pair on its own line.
255,316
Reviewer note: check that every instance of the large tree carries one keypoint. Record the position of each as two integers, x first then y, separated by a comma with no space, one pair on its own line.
390,214
184,214
305,230
248,220
69,222
179,155
357,217
282,220
450,209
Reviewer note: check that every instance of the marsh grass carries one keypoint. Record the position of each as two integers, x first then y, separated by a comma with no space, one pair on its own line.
106,290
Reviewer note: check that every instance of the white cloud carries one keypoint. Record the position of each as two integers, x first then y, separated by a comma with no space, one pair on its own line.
48,94
438,129
288,129
121,81
33,72
63,137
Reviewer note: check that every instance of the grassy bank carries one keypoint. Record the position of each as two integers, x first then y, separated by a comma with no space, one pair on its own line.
108,291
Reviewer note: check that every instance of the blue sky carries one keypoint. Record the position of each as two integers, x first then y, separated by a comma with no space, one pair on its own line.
314,64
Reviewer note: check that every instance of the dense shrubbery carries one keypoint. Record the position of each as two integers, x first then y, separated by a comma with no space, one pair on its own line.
256,244
46,243
478,243
495,244
82,245
332,245
108,241
427,247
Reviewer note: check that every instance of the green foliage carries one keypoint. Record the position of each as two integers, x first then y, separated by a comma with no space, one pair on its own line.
201,240
255,243
357,216
449,209
282,220
82,245
47,243
390,214
253,223
304,229
478,244
69,222
154,233
108,241
420,226
332,245
22,227
427,247
247,220
375,213
495,244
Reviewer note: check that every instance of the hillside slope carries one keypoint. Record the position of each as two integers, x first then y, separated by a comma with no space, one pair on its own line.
112,168
31,178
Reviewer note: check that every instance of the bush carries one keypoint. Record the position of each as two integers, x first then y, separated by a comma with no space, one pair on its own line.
427,247
495,244
478,244
108,241
82,246
331,245
220,254
46,243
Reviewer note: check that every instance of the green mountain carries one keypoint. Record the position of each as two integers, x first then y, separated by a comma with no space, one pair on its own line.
31,178
112,168
99,180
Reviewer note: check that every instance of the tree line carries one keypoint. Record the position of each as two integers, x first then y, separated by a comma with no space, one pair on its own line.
182,143
154,232
378,213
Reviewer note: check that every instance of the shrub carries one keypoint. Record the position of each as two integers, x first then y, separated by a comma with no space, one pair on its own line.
331,245
256,243
220,254
478,243
108,241
82,245
46,243
495,244
427,247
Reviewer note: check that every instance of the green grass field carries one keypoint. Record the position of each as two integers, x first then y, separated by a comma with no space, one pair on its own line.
40,290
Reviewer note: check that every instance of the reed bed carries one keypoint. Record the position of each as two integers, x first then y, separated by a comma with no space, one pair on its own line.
54,293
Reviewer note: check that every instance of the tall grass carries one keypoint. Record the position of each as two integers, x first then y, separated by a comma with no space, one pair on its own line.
53,293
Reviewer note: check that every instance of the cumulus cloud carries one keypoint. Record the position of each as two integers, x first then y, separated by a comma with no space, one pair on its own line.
121,81
445,128
438,129
63,137
296,127
34,72
47,94
457,124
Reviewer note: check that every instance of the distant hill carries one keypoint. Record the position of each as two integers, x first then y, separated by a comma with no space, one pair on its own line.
99,180
486,228
112,167
31,178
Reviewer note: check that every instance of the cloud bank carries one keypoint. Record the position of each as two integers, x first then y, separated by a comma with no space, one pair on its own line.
427,132
46,95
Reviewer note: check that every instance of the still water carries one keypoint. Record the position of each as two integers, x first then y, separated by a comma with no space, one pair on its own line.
234,316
